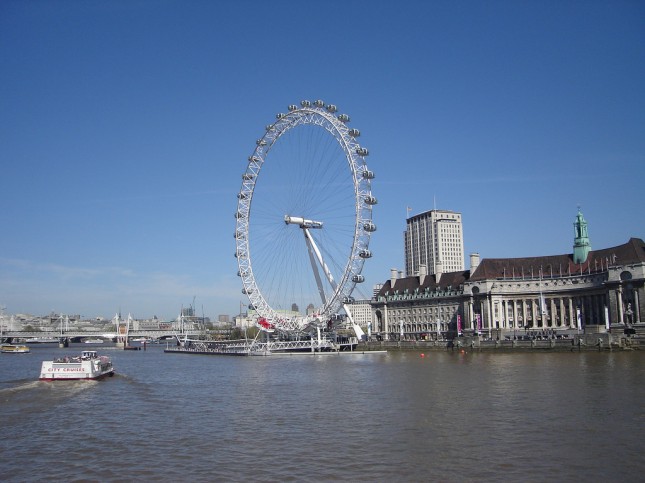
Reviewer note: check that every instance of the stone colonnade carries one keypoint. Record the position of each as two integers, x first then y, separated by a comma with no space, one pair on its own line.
536,311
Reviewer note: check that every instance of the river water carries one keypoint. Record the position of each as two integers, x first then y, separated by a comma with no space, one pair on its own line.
438,416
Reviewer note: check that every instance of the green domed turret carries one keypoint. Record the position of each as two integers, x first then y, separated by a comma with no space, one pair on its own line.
581,243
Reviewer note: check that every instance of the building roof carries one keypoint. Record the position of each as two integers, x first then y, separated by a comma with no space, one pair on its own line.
425,214
550,266
558,265
452,279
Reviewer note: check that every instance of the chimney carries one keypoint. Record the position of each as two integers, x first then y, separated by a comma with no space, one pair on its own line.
393,277
474,262
423,271
438,271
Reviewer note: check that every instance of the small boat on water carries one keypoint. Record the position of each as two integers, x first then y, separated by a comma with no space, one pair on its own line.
41,340
141,340
93,341
14,349
88,366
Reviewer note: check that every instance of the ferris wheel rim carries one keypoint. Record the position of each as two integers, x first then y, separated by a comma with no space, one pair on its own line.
323,116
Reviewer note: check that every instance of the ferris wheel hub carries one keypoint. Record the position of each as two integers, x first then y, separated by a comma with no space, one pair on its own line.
302,222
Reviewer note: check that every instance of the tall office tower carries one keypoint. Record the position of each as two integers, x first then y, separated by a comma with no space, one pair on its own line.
434,239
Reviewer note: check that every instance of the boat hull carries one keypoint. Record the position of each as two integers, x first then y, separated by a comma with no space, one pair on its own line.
87,367
68,377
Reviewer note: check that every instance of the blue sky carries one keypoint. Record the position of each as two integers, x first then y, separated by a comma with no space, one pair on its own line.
125,127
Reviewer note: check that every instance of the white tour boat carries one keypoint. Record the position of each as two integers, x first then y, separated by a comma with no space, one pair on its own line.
89,365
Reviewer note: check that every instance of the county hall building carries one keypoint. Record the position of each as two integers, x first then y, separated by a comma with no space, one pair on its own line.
585,290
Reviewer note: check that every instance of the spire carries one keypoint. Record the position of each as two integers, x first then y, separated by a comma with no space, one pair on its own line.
581,243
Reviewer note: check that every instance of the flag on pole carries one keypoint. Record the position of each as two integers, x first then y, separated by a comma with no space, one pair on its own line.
458,324
478,317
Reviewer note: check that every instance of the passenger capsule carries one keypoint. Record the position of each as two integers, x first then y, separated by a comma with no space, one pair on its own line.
254,159
251,307
261,142
238,235
331,108
358,278
362,151
319,103
248,176
348,300
293,107
246,291
305,104
370,200
365,254
279,115
367,174
239,215
369,226
354,133
270,127
343,118
241,196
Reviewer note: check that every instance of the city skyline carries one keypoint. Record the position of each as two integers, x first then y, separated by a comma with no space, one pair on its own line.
127,127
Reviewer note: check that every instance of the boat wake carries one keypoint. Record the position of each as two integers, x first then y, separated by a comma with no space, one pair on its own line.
22,385
58,390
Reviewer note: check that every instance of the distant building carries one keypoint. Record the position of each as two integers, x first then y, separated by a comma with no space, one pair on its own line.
245,320
501,296
361,311
434,239
310,309
147,324
249,319
223,319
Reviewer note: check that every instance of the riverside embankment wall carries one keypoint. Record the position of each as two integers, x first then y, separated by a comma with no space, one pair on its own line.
582,342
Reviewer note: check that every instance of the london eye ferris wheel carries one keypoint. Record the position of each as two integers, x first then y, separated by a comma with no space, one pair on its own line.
304,218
